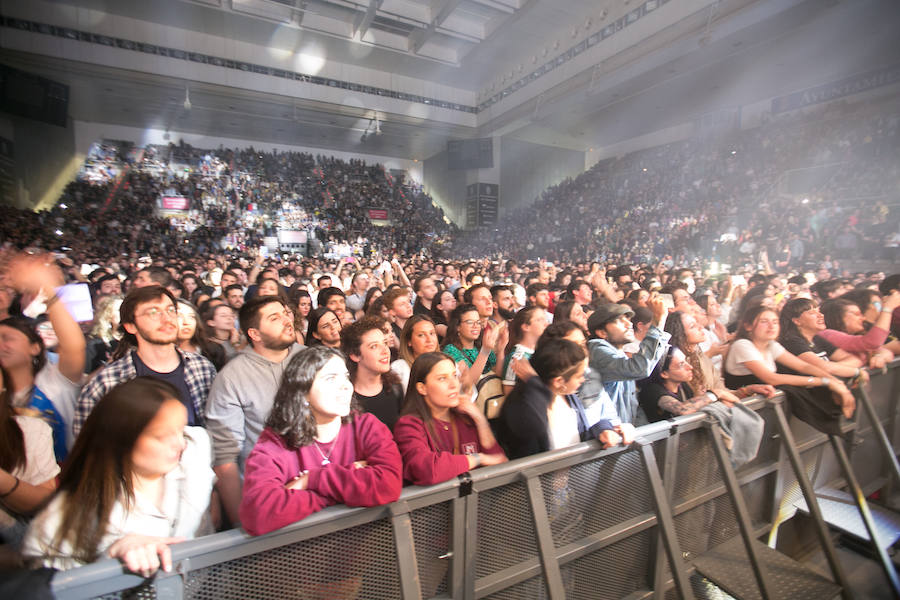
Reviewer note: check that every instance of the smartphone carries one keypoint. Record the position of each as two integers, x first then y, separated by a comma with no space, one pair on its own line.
668,301
738,280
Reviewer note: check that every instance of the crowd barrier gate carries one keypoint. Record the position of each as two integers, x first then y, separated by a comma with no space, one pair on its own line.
577,523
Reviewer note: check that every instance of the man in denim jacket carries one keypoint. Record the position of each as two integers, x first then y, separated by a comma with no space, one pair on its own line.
611,375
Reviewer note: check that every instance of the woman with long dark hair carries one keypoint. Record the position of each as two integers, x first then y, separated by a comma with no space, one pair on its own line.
136,481
441,435
316,449
324,328
441,308
845,327
754,357
28,468
543,412
192,336
801,322
460,344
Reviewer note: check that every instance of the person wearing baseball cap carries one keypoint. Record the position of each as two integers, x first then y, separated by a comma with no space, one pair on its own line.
610,368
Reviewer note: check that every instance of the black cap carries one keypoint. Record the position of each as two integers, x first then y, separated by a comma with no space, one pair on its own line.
606,313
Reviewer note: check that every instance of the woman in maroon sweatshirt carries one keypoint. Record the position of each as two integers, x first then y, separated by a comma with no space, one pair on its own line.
316,450
441,435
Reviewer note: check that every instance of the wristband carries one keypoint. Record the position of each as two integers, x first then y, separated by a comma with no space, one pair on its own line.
13,488
712,396
477,456
825,381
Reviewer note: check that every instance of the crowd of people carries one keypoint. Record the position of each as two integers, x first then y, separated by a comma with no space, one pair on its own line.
728,198
211,386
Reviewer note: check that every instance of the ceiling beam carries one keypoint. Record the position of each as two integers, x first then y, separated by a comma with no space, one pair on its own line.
362,22
418,38
497,5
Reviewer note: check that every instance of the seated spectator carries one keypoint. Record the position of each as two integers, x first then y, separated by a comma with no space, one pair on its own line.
316,450
28,467
137,481
613,370
543,413
463,332
801,322
148,317
192,338
524,331
845,329
667,392
815,397
439,434
324,328
417,337
376,389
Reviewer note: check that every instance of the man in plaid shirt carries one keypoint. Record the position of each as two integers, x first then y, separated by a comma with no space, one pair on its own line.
148,317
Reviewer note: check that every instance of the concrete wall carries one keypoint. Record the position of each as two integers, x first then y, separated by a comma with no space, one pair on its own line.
448,188
45,160
528,169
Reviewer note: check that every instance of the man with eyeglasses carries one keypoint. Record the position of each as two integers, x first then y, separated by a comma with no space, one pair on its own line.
149,322
242,394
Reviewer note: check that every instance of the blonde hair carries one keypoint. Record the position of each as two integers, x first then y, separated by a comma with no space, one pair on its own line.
107,313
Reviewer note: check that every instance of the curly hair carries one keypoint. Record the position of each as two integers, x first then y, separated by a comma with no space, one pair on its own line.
291,417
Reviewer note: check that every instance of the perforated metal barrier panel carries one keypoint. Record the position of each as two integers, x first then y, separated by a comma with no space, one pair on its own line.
579,523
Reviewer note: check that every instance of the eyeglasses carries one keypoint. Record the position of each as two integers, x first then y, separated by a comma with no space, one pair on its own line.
471,322
154,314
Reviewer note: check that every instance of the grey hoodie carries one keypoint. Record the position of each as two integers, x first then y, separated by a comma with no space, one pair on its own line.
239,403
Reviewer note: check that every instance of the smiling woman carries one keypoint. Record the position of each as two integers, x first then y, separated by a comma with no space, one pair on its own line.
316,450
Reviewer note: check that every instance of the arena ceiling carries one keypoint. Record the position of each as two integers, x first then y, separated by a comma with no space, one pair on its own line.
727,53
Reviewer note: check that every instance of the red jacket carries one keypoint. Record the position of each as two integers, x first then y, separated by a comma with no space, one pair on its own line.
424,463
266,505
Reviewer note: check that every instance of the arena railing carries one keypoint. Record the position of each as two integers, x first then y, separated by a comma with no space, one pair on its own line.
579,522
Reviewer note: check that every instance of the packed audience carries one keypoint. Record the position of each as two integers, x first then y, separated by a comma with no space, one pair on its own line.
149,360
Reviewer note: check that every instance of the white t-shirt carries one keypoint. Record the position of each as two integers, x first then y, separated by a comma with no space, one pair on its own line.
40,462
62,393
401,368
563,424
185,510
743,351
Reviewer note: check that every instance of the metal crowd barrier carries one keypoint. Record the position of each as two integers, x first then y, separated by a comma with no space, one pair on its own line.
580,522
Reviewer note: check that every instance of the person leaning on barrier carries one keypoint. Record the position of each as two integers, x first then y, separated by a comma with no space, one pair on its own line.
137,480
544,413
441,435
317,449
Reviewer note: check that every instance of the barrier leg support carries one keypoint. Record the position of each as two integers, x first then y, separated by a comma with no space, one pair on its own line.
862,505
665,521
862,397
740,508
790,447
